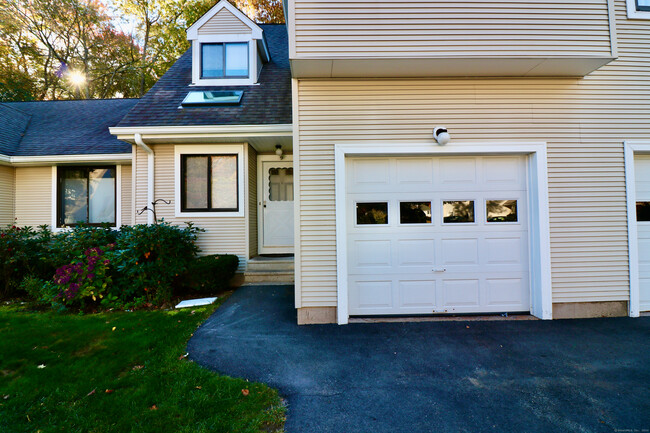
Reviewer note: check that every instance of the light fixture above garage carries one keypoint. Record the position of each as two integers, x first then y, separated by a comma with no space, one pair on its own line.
441,135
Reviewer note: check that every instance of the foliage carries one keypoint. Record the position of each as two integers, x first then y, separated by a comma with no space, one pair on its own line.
69,246
149,259
120,372
86,279
23,252
45,43
212,273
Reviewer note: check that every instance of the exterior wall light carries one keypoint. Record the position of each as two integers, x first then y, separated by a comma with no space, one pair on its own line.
278,151
441,135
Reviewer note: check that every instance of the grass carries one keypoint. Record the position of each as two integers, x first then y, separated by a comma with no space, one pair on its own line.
119,372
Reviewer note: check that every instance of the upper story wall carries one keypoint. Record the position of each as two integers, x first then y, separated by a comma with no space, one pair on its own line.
343,38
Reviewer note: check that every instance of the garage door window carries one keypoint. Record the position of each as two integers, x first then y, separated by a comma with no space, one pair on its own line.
372,213
643,210
415,212
458,211
500,211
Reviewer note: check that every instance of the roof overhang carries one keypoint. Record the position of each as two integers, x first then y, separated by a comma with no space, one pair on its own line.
46,160
193,30
262,137
520,66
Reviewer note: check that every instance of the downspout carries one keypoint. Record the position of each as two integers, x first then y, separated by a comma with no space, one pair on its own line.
150,173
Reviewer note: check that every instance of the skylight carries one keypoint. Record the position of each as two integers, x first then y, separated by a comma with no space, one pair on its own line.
212,97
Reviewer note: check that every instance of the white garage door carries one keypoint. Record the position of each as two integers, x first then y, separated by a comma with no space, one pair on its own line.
437,235
642,172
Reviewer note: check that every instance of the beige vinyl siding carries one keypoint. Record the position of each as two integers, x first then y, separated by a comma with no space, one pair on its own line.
33,196
126,199
222,234
584,121
7,195
393,29
252,202
224,22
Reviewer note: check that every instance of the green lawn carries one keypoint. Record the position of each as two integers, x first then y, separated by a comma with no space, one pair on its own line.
119,372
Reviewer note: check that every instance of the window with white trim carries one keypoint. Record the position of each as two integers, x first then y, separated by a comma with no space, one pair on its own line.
224,60
638,9
86,195
210,183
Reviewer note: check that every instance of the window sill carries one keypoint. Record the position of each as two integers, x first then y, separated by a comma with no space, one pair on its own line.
191,215
225,82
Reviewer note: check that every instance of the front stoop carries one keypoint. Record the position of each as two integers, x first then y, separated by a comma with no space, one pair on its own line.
269,270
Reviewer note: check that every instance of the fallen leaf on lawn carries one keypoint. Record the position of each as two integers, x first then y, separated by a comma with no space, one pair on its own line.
113,328
467,327
179,321
109,391
138,367
6,397
183,356
91,392
154,407
245,392
197,387
41,366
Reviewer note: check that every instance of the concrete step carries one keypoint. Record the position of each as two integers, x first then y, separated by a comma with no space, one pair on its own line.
268,276
284,264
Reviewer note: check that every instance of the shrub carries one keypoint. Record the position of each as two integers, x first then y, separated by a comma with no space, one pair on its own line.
23,252
211,273
149,259
69,246
82,281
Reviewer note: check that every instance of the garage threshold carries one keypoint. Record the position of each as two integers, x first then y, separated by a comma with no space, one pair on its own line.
454,318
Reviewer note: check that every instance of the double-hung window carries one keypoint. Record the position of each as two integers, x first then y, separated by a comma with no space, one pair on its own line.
224,60
86,195
210,183
643,5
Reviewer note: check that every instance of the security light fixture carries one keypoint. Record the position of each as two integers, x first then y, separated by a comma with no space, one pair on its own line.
441,135
278,151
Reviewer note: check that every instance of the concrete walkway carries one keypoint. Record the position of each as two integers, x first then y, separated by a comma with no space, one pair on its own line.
511,376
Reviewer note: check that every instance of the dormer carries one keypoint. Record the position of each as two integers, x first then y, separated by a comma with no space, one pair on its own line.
228,48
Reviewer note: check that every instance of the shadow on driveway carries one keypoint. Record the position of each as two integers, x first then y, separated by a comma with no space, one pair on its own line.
588,375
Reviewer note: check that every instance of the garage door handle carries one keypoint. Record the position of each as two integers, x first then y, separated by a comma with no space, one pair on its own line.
440,270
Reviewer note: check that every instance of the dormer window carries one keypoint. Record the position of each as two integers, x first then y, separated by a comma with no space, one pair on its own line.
224,60
228,49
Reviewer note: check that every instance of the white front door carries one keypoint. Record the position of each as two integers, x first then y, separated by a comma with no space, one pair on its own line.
642,172
276,206
437,235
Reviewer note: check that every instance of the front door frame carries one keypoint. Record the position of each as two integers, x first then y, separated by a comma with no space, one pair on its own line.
632,148
538,210
260,205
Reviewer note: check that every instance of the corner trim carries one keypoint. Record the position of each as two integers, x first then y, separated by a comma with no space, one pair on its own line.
540,244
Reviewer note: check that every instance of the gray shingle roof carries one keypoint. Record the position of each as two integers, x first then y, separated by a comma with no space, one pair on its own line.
71,127
269,102
13,123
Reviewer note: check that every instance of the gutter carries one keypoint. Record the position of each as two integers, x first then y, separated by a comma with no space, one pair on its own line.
273,130
150,172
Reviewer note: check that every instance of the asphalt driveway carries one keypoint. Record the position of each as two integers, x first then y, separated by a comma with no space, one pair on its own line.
467,376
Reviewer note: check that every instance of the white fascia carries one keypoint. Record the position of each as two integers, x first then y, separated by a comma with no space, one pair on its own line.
540,240
116,158
277,130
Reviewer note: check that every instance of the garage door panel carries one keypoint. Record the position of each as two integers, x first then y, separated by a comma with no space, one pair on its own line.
460,293
642,179
373,294
506,292
457,172
415,172
370,173
505,251
503,171
417,294
416,252
458,251
372,253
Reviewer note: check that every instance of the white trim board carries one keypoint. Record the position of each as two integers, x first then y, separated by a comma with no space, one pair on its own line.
634,14
115,158
631,148
540,246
